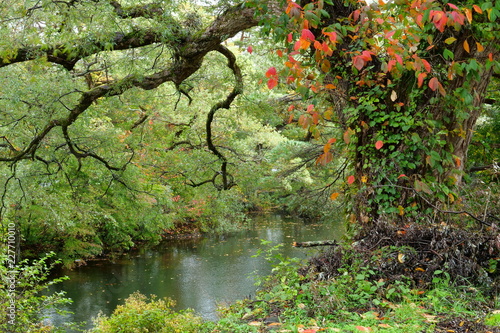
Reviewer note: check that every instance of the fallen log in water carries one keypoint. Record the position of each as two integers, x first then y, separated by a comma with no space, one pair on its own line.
314,243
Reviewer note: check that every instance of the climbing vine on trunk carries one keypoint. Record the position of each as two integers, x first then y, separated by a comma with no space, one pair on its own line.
404,81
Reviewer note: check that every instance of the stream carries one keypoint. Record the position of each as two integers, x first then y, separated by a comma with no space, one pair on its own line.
199,273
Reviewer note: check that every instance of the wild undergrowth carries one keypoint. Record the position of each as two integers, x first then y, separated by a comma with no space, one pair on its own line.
355,289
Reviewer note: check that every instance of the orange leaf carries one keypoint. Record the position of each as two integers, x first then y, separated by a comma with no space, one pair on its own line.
364,328
347,137
332,140
441,89
330,86
468,14
477,9
480,48
421,78
334,195
466,46
350,180
325,66
379,144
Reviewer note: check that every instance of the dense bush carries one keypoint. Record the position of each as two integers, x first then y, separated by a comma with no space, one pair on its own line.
143,314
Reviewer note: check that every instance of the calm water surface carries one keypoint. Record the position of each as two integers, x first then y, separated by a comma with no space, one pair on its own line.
196,273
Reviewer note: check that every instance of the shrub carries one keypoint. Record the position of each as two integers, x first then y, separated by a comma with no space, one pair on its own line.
143,314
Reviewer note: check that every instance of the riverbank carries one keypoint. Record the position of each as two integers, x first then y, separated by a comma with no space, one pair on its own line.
353,288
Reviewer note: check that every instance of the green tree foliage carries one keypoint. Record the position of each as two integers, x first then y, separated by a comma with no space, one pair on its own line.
122,120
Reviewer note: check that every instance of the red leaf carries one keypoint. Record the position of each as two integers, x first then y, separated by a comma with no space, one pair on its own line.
271,72
296,46
272,83
350,180
391,64
279,53
307,34
250,49
310,107
434,84
379,144
366,55
332,140
399,59
356,14
289,38
426,65
358,62
402,175
452,6
332,35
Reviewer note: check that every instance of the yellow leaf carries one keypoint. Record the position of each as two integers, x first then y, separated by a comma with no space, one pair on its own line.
401,210
450,40
334,195
364,179
401,258
255,323
468,14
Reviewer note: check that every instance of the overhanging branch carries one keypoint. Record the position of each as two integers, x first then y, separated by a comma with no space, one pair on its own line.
225,104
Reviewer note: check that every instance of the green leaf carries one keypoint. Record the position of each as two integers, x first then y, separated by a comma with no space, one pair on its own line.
448,55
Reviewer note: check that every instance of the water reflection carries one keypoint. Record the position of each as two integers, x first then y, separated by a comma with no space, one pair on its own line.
197,274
